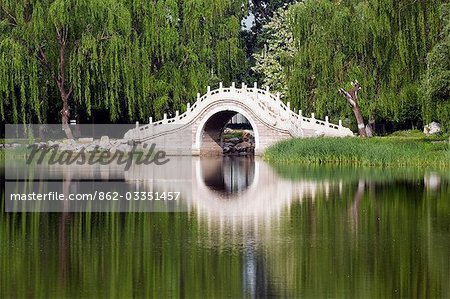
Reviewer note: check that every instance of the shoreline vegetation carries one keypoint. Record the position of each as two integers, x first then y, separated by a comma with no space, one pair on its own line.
402,149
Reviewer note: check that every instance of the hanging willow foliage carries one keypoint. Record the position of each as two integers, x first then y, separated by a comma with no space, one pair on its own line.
131,58
381,43
436,85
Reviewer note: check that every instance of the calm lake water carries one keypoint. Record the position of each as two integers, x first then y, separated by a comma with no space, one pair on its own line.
251,230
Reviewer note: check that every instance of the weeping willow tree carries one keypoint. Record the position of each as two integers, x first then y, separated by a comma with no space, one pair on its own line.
184,46
129,59
54,41
380,43
436,85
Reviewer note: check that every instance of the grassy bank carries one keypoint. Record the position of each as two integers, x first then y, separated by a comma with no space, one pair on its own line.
379,151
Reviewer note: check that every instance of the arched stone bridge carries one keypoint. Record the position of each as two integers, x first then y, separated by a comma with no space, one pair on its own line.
270,118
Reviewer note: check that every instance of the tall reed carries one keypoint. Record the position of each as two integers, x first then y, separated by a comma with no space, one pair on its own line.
380,151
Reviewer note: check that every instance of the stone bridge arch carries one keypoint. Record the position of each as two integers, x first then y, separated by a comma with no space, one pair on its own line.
209,130
270,118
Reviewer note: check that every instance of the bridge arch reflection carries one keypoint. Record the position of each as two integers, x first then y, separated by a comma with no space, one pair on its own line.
259,193
232,174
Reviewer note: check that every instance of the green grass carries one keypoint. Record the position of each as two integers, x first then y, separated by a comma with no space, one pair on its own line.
419,135
378,151
234,134
408,134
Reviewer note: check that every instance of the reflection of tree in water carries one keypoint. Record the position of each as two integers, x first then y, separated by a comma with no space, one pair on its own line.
65,219
256,281
354,209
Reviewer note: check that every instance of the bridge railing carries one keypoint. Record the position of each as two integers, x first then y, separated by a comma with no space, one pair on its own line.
264,99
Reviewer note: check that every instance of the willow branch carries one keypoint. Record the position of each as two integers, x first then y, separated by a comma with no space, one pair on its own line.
184,61
261,10
43,59
58,34
348,97
10,15
69,93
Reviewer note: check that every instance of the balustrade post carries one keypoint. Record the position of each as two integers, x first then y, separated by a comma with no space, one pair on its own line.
255,85
313,116
326,119
137,134
208,90
288,111
220,86
188,107
150,120
233,86
340,124
177,113
165,116
267,89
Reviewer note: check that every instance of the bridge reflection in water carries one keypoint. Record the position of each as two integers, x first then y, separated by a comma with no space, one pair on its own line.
253,230
228,175
229,190
237,198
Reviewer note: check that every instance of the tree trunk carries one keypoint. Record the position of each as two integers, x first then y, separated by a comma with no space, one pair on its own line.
359,120
65,117
352,98
371,127
65,111
60,81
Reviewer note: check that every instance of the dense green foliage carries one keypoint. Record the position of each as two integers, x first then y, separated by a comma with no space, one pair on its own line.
131,59
436,86
393,151
382,44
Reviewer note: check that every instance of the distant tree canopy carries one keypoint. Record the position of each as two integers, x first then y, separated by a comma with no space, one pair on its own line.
263,11
131,59
382,44
277,54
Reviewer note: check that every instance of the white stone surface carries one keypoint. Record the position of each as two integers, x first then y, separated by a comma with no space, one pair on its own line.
104,142
432,128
